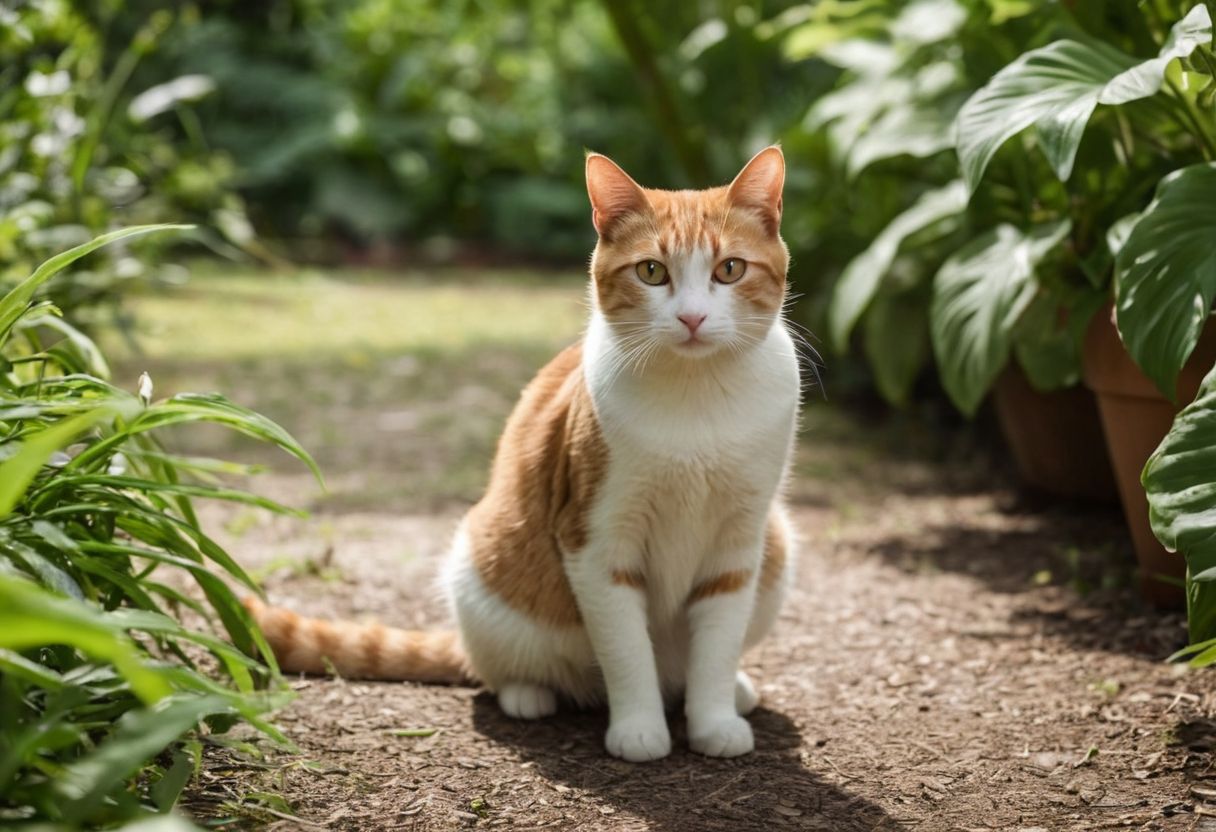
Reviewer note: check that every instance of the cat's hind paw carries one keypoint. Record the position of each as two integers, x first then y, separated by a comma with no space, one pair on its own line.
728,736
638,739
524,701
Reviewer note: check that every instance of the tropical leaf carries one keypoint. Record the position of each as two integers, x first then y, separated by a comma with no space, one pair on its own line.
978,297
864,274
896,330
1047,348
1165,275
1056,89
911,130
1181,489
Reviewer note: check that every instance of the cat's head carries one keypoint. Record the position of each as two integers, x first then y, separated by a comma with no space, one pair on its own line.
693,271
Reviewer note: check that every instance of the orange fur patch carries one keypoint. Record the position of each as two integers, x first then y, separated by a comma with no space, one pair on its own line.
550,461
773,565
629,578
727,582
360,651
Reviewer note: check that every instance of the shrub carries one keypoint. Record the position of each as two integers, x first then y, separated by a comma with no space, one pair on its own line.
109,695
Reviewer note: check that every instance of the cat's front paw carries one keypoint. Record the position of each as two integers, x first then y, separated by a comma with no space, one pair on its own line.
638,739
726,736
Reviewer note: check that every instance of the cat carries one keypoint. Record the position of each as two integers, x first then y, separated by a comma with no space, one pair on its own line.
632,542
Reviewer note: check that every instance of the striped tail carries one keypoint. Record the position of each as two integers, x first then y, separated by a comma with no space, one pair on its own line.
360,651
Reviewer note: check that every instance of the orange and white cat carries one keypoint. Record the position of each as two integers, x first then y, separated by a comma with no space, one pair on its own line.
632,541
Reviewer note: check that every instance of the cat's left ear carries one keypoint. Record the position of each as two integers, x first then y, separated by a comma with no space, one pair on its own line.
758,186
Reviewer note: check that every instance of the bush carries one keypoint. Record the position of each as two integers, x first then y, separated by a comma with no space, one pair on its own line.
88,143
109,695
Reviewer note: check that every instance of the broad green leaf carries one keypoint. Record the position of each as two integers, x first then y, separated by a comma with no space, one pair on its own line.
1056,89
978,297
1165,275
1145,79
896,329
864,274
1049,349
879,114
1117,234
910,130
15,302
1180,481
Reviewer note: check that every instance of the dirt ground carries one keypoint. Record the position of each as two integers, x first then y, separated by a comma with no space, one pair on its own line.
953,657
919,678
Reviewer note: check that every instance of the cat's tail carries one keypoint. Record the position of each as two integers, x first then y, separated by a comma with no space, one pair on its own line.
361,651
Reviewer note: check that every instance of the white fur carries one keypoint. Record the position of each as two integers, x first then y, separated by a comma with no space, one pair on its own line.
698,441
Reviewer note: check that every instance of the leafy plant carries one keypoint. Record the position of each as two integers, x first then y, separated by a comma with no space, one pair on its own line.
85,148
109,693
1166,275
1181,492
1083,232
891,120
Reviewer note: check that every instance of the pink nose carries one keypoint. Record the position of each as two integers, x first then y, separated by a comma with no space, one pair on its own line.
692,322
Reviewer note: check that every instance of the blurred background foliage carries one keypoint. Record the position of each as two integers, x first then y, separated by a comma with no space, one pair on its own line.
395,130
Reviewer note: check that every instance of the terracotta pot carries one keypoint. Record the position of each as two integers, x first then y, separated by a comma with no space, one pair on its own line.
1055,438
1135,418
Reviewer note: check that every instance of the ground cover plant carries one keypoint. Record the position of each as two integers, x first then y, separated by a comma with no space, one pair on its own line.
123,645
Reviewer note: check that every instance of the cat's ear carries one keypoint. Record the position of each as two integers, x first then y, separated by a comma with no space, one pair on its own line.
613,194
758,186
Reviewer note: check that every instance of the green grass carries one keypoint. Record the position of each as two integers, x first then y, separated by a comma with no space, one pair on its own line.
399,382
354,316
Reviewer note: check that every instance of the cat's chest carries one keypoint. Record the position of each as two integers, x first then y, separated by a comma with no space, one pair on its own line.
716,422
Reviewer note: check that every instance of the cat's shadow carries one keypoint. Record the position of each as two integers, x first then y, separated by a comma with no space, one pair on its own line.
771,788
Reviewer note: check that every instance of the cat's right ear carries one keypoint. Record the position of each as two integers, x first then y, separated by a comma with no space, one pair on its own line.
613,193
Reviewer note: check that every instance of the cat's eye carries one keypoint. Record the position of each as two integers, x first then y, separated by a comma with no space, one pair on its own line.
730,270
651,272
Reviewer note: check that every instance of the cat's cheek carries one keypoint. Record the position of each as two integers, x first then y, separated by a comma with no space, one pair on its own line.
622,299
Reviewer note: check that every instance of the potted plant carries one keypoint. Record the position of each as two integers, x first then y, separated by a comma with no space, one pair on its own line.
1158,122
1001,303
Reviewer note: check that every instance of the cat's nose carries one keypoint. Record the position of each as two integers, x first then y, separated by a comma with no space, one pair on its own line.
692,321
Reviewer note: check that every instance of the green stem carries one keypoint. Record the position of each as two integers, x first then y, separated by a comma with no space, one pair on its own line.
1209,146
690,152
100,117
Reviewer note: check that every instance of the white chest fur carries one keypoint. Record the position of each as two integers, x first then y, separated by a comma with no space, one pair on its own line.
696,453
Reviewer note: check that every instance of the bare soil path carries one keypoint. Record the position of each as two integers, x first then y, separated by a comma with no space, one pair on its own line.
919,678
952,658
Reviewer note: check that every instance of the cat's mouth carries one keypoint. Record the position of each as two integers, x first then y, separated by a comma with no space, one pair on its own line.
694,346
